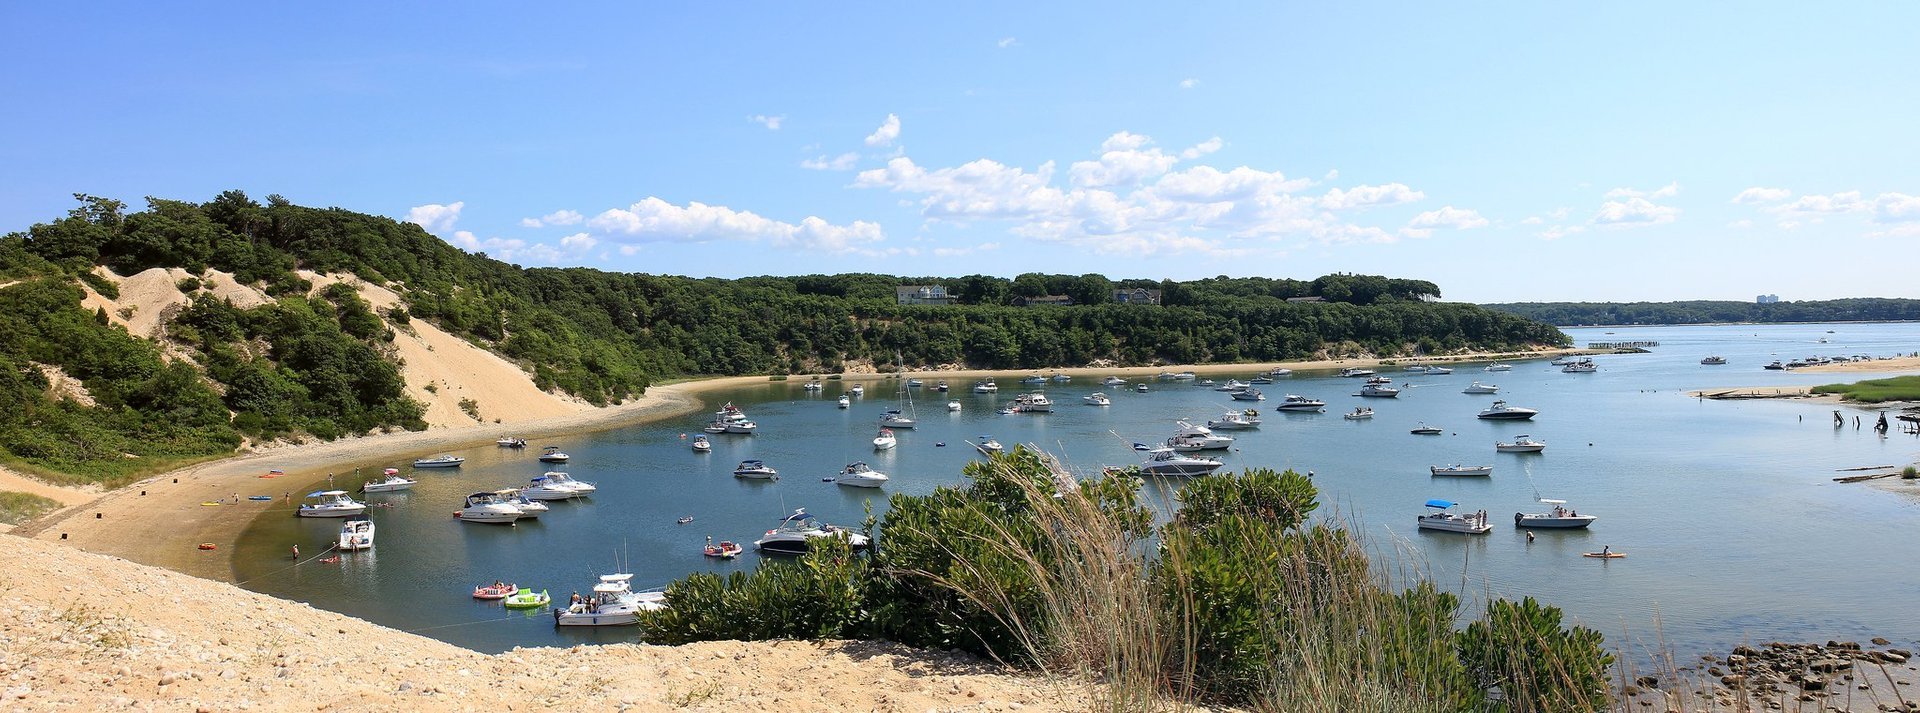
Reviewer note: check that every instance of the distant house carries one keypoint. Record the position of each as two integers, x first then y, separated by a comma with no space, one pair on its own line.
923,295
1049,300
1766,299
1307,299
1137,296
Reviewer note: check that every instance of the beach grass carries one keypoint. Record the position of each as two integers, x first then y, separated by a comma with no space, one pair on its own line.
1873,391
16,507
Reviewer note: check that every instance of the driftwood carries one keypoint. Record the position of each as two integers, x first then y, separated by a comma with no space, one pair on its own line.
1858,478
1864,467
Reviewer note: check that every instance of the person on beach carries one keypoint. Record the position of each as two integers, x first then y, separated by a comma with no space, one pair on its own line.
296,551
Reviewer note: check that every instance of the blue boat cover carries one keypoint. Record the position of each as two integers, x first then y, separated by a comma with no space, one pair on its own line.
1442,504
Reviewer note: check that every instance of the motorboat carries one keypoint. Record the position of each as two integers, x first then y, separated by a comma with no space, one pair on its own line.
858,390
1445,520
1061,378
1279,371
1425,430
1232,385
1350,372
389,482
1521,444
1379,391
940,386
1035,402
915,383
1189,438
723,549
1775,366
1497,366
1008,411
953,406
552,454
729,413
356,534
1167,461
893,418
985,387
566,481
1140,388
511,442
1248,394
1206,382
1113,381
527,599
845,401
716,426
1379,379
756,470
1479,388
740,426
1500,411
448,461
1358,413
1034,380
1164,376
1417,369
544,488
1439,370
1260,381
796,534
496,591
488,507
529,508
884,440
813,386
1714,360
1296,402
330,503
986,444
1584,366
860,475
612,603
1097,399
702,445
1185,376
1236,421
1564,360
1457,469
1559,517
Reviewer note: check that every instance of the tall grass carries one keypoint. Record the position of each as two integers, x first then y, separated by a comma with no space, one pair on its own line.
1873,391
16,507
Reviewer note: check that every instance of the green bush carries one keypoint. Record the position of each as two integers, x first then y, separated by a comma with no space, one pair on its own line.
818,596
1522,649
101,285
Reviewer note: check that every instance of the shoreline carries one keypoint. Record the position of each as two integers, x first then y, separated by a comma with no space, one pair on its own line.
161,520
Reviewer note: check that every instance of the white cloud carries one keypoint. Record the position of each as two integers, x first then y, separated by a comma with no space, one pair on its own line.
436,218
1448,217
1368,196
579,242
1896,208
842,162
1124,161
1848,202
1189,83
513,250
1634,212
771,122
888,131
1758,194
655,220
1903,230
1203,148
1532,220
1006,42
558,217
1667,191
1560,231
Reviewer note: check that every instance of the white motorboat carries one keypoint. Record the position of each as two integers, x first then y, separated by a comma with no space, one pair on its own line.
884,440
741,426
330,503
1358,413
1378,391
893,418
940,386
511,442
612,603
1166,461
544,488
1248,394
1232,385
389,482
1445,520
1140,388
1061,378
756,470
796,534
715,427
1097,399
356,534
1034,380
488,507
1279,371
1521,444
1035,402
1584,366
1479,388
1439,370
813,386
1417,369
845,401
1457,469
953,406
1113,381
1497,366
552,454
729,413
1236,421
1564,360
1560,517
1260,380
1184,376
1190,438
860,475
985,387
858,390
1500,411
915,383
439,462
1425,430
529,508
564,480
1714,360
1775,366
1296,402
986,445
702,445
1351,372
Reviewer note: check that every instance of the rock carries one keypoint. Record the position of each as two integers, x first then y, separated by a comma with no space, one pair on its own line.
1647,681
1733,680
1877,641
1812,684
1889,657
1830,665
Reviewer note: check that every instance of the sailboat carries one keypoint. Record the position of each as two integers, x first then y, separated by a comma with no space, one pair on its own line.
895,418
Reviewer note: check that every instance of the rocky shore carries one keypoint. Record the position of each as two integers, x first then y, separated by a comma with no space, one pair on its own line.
1793,677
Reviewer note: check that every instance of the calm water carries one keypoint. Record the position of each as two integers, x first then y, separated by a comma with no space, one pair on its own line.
1734,527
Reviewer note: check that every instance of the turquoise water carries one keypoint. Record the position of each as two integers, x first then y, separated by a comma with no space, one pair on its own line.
1734,528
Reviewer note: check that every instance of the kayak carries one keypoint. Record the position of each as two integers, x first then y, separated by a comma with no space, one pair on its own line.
495,592
1604,555
528,599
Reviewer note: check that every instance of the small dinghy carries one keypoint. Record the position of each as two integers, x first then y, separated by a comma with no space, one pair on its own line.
1607,555
528,599
723,549
497,590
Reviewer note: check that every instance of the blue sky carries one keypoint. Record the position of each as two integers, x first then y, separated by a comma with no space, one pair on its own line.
1549,151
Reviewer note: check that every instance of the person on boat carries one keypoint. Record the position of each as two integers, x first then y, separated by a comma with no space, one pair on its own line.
1606,550
575,601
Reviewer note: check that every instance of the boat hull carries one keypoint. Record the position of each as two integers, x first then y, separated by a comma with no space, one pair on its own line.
1460,470
1564,522
1507,416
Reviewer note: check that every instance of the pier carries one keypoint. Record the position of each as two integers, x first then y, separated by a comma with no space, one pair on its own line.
1622,345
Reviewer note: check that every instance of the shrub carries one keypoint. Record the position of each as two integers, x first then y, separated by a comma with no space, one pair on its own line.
1538,666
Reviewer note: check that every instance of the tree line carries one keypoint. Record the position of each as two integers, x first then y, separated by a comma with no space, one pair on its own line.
1866,309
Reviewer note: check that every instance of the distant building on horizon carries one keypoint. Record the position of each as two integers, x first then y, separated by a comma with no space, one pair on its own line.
1046,301
923,295
1137,296
1766,299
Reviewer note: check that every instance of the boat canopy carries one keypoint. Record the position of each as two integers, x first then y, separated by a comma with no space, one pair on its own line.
1442,504
616,577
797,516
391,471
750,464
1553,501
323,493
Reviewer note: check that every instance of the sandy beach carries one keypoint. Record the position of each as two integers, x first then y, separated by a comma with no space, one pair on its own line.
1896,364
